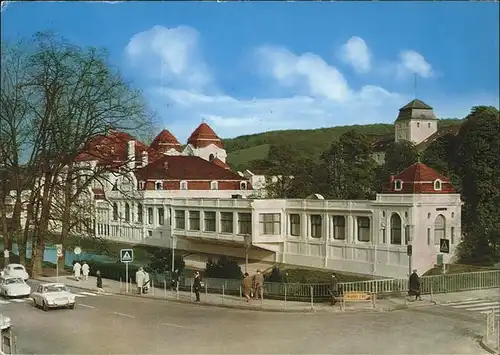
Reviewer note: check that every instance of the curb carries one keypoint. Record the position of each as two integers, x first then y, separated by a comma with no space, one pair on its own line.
481,343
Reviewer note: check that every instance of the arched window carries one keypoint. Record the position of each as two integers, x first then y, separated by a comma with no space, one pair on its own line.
127,212
211,157
437,185
395,229
159,185
243,185
115,211
214,185
439,229
398,185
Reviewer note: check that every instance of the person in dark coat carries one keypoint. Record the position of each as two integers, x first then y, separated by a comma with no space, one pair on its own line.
334,289
99,281
414,286
197,285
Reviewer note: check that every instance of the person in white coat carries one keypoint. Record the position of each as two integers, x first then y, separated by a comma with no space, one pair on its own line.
77,268
85,271
139,279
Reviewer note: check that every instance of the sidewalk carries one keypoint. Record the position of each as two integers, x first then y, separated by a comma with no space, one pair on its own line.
229,301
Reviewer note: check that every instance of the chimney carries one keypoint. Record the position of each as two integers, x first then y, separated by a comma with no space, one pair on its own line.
392,178
131,154
144,158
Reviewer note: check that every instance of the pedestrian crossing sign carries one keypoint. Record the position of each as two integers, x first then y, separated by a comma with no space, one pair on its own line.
444,246
126,255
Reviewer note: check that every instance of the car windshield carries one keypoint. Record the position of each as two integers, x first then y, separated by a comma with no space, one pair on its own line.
14,281
18,268
55,289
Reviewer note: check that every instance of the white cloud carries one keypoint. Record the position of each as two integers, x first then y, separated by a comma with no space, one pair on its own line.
312,93
357,54
412,62
169,55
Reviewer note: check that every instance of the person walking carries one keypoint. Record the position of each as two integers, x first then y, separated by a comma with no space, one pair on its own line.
147,281
414,286
76,270
99,282
197,285
85,271
247,286
139,280
334,289
259,284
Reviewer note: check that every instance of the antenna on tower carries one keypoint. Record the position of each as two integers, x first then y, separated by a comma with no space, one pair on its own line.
415,85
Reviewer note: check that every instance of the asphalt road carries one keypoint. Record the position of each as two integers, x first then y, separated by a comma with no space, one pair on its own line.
115,324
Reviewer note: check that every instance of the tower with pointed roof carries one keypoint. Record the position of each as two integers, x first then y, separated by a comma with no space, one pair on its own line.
205,144
166,143
416,122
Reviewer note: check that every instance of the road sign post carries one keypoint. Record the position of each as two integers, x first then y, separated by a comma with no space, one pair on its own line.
59,256
444,246
126,256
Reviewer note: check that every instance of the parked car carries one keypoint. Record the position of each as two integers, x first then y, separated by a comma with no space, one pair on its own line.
53,295
15,270
13,286
5,322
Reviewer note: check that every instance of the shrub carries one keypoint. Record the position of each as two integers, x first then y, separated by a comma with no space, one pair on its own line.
223,269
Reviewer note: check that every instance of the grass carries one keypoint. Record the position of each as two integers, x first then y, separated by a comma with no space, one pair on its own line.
241,158
457,269
317,276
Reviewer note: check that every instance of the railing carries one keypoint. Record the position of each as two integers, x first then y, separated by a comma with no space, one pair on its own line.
429,284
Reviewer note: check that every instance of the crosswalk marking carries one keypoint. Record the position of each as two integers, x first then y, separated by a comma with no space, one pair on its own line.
18,300
82,294
4,302
88,294
479,306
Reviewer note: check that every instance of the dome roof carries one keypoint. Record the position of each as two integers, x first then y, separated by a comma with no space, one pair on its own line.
204,136
164,142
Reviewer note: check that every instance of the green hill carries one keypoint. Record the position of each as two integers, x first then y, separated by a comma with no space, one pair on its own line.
243,149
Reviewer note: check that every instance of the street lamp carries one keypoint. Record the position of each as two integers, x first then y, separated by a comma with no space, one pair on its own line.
247,239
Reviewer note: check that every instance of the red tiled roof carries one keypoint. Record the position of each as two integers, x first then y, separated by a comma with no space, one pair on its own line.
110,149
165,141
170,167
419,178
220,163
204,136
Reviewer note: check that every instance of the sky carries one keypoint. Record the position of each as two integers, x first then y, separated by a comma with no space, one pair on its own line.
249,67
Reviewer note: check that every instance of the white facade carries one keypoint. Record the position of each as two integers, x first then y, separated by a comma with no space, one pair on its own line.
415,130
360,237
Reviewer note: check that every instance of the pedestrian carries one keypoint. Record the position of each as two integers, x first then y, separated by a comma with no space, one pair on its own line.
175,279
147,281
247,286
139,279
334,289
414,286
99,282
197,285
76,270
85,271
259,284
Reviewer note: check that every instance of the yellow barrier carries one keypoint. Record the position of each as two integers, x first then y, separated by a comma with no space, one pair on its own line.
356,297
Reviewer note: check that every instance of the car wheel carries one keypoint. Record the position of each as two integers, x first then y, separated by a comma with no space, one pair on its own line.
45,306
72,306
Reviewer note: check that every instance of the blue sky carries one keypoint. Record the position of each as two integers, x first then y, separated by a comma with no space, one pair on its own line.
248,67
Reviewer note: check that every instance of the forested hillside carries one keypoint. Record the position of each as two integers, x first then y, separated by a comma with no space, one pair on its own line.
311,142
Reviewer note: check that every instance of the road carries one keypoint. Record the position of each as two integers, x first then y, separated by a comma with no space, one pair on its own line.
114,324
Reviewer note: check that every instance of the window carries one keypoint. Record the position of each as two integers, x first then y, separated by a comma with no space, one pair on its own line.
183,185
407,234
316,222
139,213
243,185
194,220
209,221
398,185
452,235
245,223
295,225
214,185
211,157
395,229
141,185
159,185
437,185
428,236
161,216
338,227
439,229
127,212
226,222
384,235
150,215
270,223
180,219
115,186
363,229
115,211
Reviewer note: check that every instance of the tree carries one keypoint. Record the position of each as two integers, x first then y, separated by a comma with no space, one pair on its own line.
441,155
346,169
479,170
275,275
69,95
161,261
223,269
284,164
